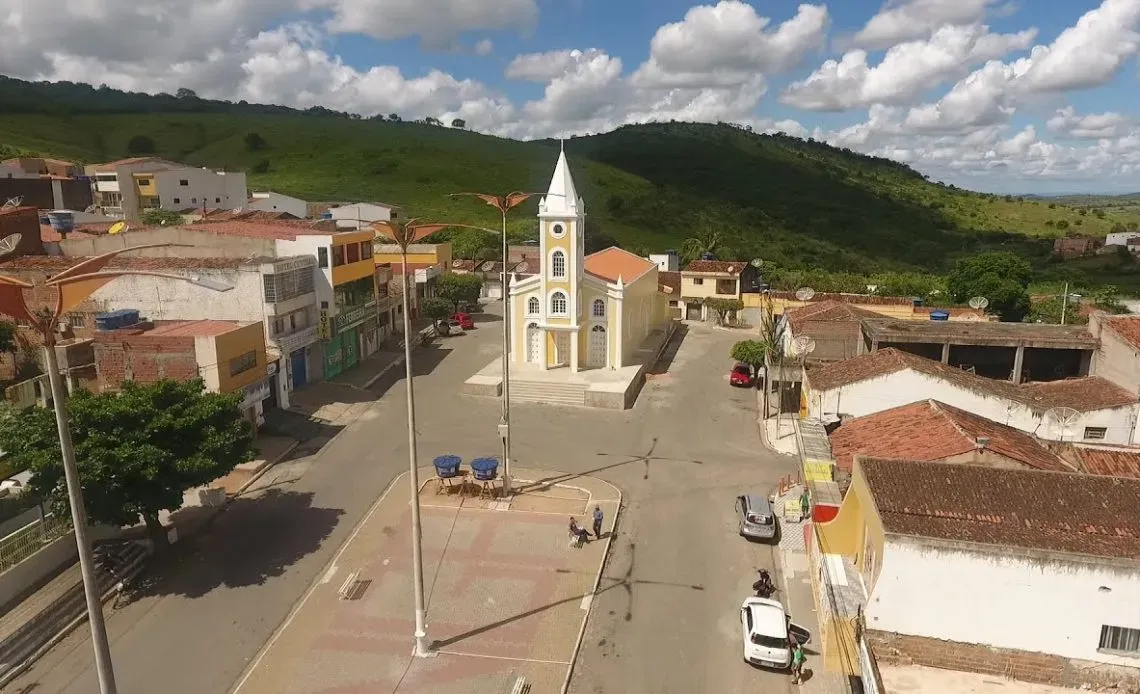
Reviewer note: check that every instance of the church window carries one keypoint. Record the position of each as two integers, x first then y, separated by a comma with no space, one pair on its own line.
599,309
558,303
558,265
532,306
558,230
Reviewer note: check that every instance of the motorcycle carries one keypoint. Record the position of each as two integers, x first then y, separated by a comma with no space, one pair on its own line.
763,586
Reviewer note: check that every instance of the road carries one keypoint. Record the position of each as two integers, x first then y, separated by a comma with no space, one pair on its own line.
665,622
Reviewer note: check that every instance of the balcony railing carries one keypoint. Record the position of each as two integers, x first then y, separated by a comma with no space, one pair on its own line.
352,316
295,340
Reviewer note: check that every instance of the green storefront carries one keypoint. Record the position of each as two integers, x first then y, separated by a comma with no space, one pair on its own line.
341,353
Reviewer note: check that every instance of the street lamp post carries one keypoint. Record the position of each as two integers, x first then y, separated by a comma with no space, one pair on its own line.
504,203
74,286
404,235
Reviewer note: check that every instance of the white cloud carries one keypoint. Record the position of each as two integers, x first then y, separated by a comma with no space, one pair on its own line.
906,71
484,47
437,22
1089,53
906,20
1094,126
544,67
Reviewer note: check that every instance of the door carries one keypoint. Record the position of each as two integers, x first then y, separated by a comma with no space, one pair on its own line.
693,311
596,347
561,348
270,403
300,368
799,634
533,343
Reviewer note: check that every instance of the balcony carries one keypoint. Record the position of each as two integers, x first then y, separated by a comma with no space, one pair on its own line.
294,341
352,316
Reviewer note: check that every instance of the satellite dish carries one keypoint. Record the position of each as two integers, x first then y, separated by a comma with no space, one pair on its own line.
12,202
803,346
488,266
757,263
805,293
9,243
979,302
118,228
1060,419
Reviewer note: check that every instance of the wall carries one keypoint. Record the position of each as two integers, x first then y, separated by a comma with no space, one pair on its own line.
906,386
276,202
640,309
690,289
231,345
204,189
26,222
196,243
159,298
359,214
121,356
1116,360
307,244
47,194
1004,597
359,269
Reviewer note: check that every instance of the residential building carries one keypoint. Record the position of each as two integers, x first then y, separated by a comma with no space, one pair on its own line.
669,284
24,221
47,193
525,252
668,261
1016,574
1121,238
1089,409
276,202
714,279
1103,460
359,215
426,262
76,360
128,187
38,167
229,356
947,434
1117,357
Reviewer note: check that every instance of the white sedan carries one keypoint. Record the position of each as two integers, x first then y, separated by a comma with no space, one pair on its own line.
768,633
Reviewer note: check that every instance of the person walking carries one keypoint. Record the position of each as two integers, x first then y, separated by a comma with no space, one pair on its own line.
598,522
798,663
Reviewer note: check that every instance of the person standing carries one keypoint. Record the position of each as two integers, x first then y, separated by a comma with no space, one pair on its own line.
798,663
598,522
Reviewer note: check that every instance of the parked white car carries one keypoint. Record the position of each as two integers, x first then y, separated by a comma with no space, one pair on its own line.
451,327
768,633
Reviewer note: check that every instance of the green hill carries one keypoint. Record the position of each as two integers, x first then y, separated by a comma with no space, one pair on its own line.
797,203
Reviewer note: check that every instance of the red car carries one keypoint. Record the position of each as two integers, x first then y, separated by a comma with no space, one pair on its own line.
741,375
464,320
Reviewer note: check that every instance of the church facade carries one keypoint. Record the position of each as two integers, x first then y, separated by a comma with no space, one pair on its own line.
581,311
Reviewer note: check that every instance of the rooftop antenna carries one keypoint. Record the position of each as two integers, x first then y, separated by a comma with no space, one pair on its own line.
757,263
805,294
8,243
1060,418
979,303
12,202
803,346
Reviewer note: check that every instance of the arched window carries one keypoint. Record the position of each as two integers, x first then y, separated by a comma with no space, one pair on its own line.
558,265
532,306
599,309
558,303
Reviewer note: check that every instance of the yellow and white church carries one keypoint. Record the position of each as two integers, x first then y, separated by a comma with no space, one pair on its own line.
581,312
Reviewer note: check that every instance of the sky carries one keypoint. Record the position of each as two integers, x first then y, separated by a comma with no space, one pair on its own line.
1009,96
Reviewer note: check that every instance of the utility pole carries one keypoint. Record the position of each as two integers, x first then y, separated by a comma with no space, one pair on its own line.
1064,303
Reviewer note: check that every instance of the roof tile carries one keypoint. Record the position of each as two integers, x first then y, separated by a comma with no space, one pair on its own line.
58,263
730,267
613,262
1128,328
1112,462
670,281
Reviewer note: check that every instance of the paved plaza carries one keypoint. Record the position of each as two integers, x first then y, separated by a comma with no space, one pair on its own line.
506,596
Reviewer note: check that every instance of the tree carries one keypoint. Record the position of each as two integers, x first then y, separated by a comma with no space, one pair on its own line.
723,309
436,308
472,244
458,123
140,144
184,93
750,352
160,217
255,142
138,449
432,120
458,289
1001,277
394,117
708,240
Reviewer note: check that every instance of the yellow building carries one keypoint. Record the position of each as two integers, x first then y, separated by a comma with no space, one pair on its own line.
581,312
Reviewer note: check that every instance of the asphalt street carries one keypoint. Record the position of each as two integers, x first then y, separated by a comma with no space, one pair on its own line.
667,618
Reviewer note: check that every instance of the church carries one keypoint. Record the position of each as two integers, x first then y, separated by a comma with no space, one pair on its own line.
581,312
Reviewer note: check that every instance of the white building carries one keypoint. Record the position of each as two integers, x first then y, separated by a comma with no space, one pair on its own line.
1120,238
668,261
1118,357
1019,574
128,187
276,202
362,214
1100,412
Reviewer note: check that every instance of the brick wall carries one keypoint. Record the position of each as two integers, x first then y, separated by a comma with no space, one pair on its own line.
901,649
128,355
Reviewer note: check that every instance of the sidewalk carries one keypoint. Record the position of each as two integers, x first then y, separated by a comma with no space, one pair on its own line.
371,369
781,438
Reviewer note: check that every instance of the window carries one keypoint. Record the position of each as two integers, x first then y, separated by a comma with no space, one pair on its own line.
194,200
532,306
183,182
338,256
558,265
287,285
1119,640
78,320
144,181
353,250
1095,432
177,201
243,363
365,250
558,230
558,304
322,257
217,199
598,310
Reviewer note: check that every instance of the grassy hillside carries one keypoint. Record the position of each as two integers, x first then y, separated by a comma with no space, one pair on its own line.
798,203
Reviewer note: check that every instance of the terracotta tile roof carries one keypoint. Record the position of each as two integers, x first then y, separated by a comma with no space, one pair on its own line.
728,267
1052,511
57,263
868,299
1082,394
1127,328
670,281
828,311
931,430
49,235
1112,462
613,262
279,230
248,216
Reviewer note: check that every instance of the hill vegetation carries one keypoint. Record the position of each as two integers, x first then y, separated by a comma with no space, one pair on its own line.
797,204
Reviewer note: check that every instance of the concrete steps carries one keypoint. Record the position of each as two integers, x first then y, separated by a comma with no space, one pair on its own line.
552,392
45,618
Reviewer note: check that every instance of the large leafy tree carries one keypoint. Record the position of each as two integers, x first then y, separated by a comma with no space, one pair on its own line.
436,308
1001,277
137,450
750,352
458,289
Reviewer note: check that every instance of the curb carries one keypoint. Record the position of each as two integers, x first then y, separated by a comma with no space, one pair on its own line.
257,475
380,374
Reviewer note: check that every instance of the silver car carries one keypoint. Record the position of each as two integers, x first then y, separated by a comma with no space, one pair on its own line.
757,522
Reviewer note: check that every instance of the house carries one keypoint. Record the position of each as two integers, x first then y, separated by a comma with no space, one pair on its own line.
38,167
668,261
1016,574
714,279
24,221
1068,248
1121,238
229,356
669,284
45,193
426,262
1117,357
276,202
359,215
1089,409
128,187
934,431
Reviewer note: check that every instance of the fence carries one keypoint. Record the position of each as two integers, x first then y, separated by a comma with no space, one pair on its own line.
30,539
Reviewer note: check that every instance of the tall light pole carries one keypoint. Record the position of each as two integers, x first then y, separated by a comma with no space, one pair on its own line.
405,234
74,286
504,204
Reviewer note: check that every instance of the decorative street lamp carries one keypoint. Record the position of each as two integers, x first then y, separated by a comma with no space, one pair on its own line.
405,234
504,204
74,286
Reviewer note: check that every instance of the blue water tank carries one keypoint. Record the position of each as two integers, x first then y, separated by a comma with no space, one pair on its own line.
113,320
62,221
708,256
128,316
326,215
939,315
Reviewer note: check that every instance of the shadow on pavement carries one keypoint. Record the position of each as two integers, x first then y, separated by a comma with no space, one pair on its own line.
424,361
670,352
646,459
252,540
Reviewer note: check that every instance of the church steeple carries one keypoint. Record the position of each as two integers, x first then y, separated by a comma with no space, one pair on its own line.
561,199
